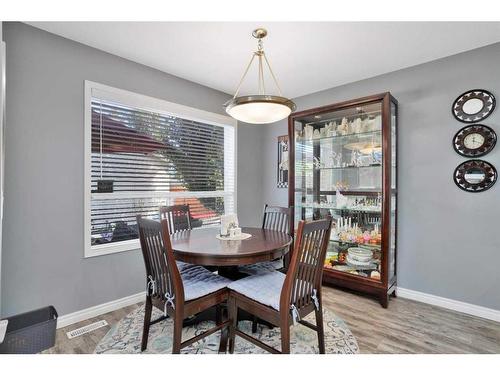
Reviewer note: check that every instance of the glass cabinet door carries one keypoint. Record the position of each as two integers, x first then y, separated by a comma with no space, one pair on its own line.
392,245
338,173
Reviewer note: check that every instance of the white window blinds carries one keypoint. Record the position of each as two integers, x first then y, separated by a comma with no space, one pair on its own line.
142,159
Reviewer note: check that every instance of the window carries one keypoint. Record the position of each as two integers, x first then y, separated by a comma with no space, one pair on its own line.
142,153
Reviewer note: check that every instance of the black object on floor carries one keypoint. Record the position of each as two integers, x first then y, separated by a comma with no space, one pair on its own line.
30,332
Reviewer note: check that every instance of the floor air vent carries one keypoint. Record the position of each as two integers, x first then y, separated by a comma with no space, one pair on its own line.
86,329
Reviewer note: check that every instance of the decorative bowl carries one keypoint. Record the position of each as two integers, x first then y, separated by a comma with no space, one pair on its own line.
360,254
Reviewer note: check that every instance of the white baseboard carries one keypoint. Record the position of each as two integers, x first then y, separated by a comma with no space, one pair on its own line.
463,307
92,312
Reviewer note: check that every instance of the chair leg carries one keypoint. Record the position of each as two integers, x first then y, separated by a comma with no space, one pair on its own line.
233,322
176,343
254,324
321,331
147,321
285,337
218,314
224,333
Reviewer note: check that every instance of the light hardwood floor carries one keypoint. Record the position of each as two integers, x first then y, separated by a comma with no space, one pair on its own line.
405,327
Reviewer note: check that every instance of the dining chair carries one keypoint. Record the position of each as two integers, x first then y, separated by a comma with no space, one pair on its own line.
278,219
177,216
274,218
178,295
178,219
282,299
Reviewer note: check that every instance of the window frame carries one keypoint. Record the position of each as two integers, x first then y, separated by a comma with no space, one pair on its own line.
156,105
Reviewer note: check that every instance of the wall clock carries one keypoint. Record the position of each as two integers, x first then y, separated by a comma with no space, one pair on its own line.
475,176
474,140
473,106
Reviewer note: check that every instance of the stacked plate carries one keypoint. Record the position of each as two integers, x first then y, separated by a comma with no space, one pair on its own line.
359,256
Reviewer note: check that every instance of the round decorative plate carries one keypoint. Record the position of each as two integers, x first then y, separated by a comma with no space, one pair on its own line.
474,140
473,106
242,236
475,176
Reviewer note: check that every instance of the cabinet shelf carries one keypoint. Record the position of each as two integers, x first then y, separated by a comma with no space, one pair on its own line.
341,168
378,210
335,273
352,244
340,138
339,116
371,267
364,191
357,192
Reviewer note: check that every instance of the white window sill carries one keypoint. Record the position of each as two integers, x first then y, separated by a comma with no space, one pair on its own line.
111,248
118,247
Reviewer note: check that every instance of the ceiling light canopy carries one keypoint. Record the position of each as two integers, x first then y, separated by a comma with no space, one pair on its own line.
260,108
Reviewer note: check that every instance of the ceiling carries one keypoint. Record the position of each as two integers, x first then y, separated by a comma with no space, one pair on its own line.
306,57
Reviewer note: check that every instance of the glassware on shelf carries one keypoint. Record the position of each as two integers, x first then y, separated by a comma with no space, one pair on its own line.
357,125
351,232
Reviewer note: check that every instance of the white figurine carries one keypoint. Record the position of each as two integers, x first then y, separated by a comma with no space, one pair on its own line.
227,222
333,154
332,131
377,123
339,160
344,125
308,132
369,125
357,126
317,163
341,200
354,158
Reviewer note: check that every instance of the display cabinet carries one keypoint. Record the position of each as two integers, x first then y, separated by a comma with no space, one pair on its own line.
343,164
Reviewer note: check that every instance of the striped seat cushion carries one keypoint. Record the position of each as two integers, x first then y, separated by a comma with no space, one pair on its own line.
199,282
182,266
258,268
264,288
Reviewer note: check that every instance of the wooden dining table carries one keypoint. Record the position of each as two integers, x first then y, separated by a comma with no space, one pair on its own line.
201,247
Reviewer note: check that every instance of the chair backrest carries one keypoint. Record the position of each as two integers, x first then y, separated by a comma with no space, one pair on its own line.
303,279
178,217
277,218
162,275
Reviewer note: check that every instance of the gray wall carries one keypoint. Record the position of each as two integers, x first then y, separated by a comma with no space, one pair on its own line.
250,177
1,156
43,227
448,239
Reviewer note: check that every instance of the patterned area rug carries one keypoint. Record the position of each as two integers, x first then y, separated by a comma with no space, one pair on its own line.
125,337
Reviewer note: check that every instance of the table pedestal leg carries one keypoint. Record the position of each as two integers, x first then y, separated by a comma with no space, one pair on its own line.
231,272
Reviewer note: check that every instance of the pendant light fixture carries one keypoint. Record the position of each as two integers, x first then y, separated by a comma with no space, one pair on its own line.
260,108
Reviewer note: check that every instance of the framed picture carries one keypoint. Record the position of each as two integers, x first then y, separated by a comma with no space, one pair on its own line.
282,161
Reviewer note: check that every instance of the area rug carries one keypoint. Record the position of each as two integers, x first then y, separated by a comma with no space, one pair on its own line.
125,337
